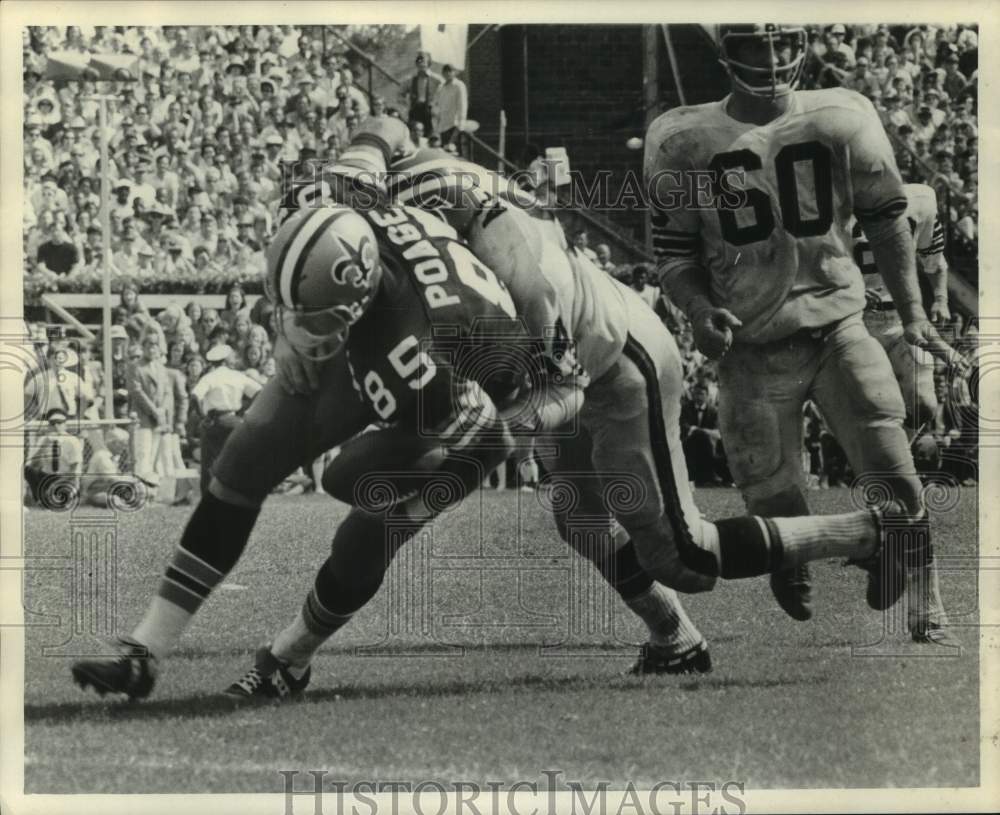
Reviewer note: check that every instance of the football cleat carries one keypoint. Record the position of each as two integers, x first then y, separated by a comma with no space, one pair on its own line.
654,659
269,678
132,672
792,588
903,544
932,633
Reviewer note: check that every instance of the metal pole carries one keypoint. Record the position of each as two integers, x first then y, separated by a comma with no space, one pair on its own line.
109,406
673,63
651,99
524,76
502,140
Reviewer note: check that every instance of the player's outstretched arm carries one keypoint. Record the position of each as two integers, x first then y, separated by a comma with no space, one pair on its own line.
676,232
296,373
895,257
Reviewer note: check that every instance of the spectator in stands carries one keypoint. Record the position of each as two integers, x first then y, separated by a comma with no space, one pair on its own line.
236,304
150,394
420,91
835,44
358,98
206,325
240,330
127,259
105,471
835,69
57,252
924,127
701,438
253,359
863,80
56,454
91,374
581,246
955,82
64,386
649,294
417,136
450,105
604,262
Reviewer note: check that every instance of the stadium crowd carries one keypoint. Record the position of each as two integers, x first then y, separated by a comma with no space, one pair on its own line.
197,144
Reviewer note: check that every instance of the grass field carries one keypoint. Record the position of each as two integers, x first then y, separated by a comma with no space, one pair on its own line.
491,652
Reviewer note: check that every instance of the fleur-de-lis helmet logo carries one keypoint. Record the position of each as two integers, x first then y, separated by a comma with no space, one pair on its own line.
355,266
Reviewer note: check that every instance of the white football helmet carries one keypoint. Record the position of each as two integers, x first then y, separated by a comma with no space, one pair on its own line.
783,56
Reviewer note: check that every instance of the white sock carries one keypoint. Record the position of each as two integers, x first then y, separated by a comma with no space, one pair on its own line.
812,537
669,626
162,626
923,598
297,644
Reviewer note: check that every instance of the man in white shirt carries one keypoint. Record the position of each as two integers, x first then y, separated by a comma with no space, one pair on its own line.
219,395
451,106
835,42
141,188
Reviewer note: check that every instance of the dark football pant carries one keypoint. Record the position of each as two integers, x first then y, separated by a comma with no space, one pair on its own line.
281,432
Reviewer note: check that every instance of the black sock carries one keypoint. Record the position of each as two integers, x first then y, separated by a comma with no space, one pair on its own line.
217,532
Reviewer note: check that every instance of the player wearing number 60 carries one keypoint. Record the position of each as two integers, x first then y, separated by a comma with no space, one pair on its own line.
771,286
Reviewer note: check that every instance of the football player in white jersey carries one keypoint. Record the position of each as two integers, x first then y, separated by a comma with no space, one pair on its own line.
914,367
752,201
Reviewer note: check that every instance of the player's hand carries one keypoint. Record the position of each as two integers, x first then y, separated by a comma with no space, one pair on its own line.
295,373
924,335
873,300
713,331
940,313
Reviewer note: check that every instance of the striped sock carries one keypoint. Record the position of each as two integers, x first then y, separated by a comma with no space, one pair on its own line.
312,626
186,584
669,625
851,535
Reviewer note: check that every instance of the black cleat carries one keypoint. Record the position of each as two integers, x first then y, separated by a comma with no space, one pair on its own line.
269,678
903,544
792,588
654,659
132,672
